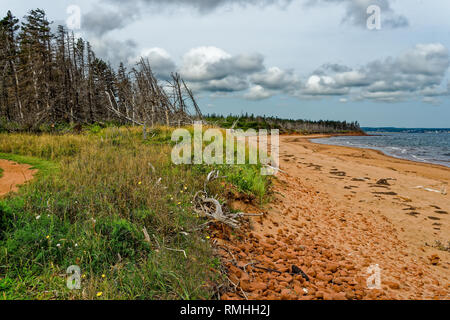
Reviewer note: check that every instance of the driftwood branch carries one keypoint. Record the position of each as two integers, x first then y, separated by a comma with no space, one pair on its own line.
207,206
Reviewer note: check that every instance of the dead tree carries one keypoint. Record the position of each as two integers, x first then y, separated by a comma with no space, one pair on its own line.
48,78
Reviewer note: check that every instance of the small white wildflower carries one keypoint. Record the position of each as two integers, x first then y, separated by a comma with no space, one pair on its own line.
38,217
76,245
58,245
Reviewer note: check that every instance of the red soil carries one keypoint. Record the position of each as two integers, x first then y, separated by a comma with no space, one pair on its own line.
14,175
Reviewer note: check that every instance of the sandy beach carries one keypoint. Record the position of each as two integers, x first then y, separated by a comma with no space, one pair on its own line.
336,212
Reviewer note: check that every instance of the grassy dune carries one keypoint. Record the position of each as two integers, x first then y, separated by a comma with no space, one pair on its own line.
94,195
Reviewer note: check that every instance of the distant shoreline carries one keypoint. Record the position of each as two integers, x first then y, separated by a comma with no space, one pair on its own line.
405,130
314,137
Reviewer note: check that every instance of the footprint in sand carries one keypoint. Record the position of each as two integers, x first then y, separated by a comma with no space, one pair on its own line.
386,193
315,166
434,218
377,186
404,199
383,182
413,213
338,173
441,212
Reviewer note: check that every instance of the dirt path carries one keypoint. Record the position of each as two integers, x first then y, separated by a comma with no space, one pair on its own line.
14,175
333,217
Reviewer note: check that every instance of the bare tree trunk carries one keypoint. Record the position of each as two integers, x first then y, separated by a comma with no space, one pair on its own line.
16,89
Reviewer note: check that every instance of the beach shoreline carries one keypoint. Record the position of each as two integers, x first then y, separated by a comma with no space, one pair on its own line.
371,149
348,209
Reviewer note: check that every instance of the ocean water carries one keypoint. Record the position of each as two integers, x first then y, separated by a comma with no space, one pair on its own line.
431,147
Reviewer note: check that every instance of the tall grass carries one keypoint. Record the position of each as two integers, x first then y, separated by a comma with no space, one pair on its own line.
95,194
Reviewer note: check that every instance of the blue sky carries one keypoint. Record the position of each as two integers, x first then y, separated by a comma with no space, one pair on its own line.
311,59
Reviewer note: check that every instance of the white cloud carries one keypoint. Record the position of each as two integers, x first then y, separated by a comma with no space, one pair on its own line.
258,93
114,51
160,61
385,96
275,78
419,71
322,86
196,62
211,63
426,59
228,84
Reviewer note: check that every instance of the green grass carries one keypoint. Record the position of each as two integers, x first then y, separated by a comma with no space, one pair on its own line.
93,196
1,171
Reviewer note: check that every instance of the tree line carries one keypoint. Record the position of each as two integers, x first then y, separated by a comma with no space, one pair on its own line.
284,125
48,78
51,77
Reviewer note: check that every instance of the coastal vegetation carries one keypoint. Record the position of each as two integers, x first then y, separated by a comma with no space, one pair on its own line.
117,207
284,125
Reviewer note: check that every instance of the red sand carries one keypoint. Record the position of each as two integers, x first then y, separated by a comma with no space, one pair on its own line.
14,175
331,219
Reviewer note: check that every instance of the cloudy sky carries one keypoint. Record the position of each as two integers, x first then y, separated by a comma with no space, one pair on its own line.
311,59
